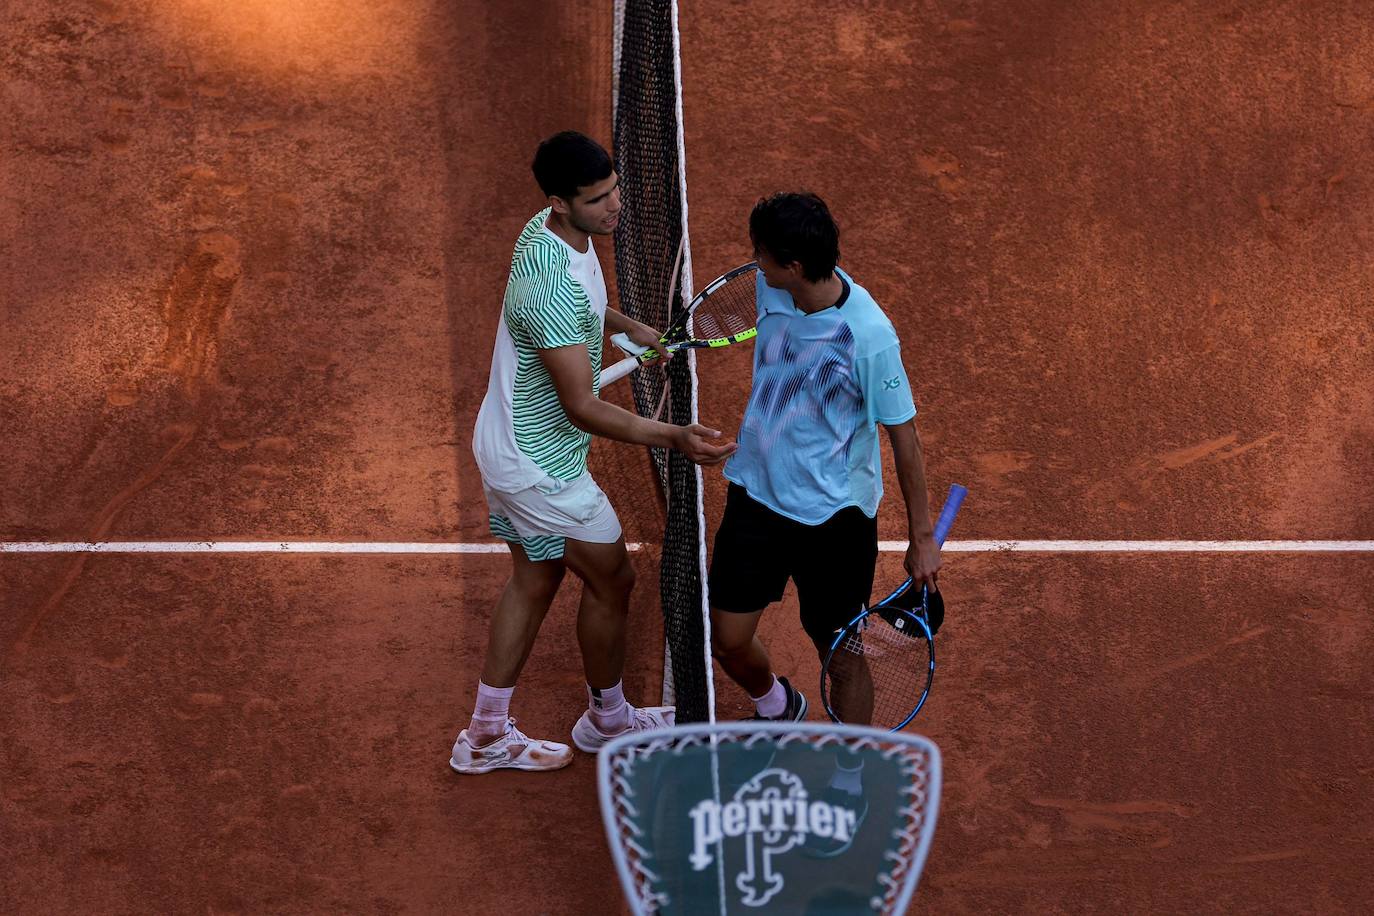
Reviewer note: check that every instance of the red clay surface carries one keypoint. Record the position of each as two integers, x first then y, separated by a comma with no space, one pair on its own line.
251,258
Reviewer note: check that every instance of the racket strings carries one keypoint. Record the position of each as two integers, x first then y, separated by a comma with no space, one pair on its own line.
878,674
732,309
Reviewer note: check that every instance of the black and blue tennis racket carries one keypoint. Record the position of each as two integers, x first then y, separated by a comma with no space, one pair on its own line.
880,667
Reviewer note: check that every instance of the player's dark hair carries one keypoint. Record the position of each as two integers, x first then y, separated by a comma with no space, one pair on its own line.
568,161
797,227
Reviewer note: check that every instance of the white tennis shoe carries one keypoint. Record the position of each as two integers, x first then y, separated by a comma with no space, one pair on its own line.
591,739
514,750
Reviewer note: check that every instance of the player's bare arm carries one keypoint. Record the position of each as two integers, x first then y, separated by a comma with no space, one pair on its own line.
923,555
571,370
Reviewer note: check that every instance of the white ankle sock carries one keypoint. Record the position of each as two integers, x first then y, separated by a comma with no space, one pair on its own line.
609,711
490,715
773,703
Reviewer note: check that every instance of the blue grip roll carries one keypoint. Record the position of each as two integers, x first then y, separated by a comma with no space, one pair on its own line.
953,501
957,492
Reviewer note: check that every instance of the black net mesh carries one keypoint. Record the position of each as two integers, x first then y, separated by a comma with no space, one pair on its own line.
649,250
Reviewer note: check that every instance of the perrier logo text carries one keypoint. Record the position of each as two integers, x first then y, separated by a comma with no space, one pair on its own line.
773,813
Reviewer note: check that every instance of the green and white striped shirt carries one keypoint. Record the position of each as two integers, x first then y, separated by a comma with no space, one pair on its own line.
555,297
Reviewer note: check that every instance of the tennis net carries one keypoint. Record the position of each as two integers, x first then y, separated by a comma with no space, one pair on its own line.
654,276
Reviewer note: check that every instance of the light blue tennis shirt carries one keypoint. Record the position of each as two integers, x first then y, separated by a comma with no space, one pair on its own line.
808,446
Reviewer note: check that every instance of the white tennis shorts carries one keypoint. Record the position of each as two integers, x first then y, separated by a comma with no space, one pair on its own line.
540,517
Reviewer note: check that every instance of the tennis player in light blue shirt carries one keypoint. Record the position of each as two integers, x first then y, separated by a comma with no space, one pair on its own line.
823,380
807,479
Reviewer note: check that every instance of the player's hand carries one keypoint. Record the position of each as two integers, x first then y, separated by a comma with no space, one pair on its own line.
696,442
923,561
645,336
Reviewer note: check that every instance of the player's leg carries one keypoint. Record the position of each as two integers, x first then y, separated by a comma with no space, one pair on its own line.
736,646
834,583
607,581
491,741
749,570
519,613
595,551
834,577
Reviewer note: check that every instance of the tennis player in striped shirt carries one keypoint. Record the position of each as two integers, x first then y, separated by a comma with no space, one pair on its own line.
541,410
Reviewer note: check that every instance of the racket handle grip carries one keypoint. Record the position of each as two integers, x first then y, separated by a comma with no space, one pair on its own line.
953,501
622,340
614,373
957,492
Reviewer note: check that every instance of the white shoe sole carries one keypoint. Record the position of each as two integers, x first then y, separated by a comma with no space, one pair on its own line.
469,769
601,741
598,740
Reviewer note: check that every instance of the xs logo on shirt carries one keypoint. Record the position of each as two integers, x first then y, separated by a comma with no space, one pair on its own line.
890,384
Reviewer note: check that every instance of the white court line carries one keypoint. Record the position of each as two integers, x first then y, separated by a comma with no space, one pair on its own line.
1144,546
418,547
428,547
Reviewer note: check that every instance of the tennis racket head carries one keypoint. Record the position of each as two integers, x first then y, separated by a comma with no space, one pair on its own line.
723,313
879,669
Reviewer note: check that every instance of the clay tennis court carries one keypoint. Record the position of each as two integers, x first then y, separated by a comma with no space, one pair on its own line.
251,261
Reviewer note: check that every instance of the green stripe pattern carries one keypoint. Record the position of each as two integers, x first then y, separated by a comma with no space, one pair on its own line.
538,547
546,308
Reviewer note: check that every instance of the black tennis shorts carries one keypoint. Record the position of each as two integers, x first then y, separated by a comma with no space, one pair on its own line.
757,550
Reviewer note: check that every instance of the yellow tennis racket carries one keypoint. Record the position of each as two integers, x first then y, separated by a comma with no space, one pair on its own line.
724,313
